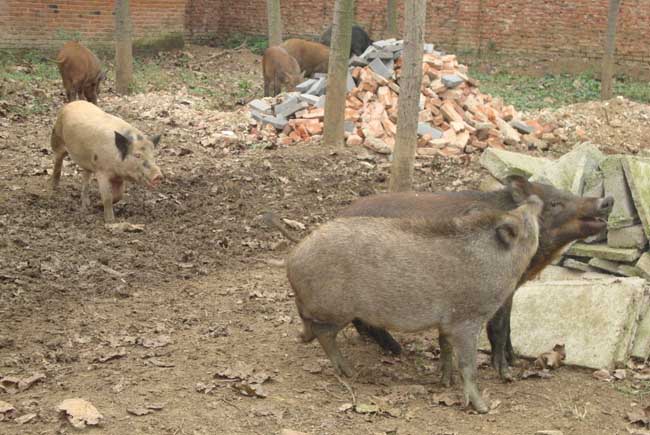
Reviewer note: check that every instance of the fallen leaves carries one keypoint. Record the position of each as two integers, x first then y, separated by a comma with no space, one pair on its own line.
125,227
446,399
640,416
80,412
13,385
7,411
553,359
154,342
119,353
247,381
607,376
140,410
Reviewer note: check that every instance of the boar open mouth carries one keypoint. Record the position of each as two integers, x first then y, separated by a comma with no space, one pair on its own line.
594,224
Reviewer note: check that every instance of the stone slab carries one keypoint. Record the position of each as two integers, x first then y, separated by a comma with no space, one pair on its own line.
370,53
318,88
320,75
321,101
603,251
452,80
641,346
304,86
501,163
383,43
637,174
595,319
428,48
357,61
289,107
628,237
424,128
576,265
350,82
521,126
260,106
378,66
348,126
614,267
624,212
276,121
569,171
311,99
643,265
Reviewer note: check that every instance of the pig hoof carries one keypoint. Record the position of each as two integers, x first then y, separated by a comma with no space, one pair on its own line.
447,379
506,375
344,370
480,407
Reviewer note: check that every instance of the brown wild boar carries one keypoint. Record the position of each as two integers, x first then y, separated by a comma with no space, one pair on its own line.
106,146
411,275
81,72
313,57
279,68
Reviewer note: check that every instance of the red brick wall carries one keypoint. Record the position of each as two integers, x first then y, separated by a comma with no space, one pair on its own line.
45,23
557,28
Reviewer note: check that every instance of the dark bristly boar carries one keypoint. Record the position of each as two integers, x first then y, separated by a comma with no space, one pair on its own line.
279,68
360,39
312,57
81,72
106,146
565,218
413,274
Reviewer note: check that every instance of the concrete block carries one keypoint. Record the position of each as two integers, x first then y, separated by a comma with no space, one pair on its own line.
350,82
385,55
641,347
260,106
276,121
452,80
424,128
383,43
614,267
320,76
304,86
321,101
595,319
624,212
637,174
521,126
357,61
593,184
311,99
390,64
559,273
571,263
643,265
370,53
378,66
628,237
395,47
289,107
318,88
569,171
501,163
428,48
348,126
603,251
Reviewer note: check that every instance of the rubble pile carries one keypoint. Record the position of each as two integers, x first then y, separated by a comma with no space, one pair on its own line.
455,118
585,171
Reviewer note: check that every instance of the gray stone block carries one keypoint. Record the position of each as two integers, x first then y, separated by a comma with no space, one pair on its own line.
637,174
276,121
349,126
614,267
571,263
390,64
370,53
603,251
643,265
260,106
357,61
593,184
320,76
628,237
395,47
428,48
546,313
521,126
318,88
501,163
385,55
304,86
641,347
321,101
289,107
311,99
350,82
424,128
383,43
378,66
452,80
624,212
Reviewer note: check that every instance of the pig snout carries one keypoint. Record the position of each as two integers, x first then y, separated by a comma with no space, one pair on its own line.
605,205
155,179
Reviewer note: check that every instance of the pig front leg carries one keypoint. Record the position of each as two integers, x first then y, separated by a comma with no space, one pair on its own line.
106,193
498,329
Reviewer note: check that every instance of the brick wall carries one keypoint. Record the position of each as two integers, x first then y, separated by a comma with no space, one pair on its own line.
553,28
46,23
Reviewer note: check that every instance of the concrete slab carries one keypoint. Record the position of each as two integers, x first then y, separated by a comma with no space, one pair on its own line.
428,48
289,107
350,82
369,54
637,174
603,251
501,163
311,99
521,126
569,171
641,346
260,106
628,237
643,265
318,88
424,128
304,86
576,265
357,61
452,80
385,55
320,75
276,121
624,212
383,43
321,101
378,66
614,267
595,319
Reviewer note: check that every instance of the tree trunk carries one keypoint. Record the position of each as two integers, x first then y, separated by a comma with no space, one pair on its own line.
274,18
409,97
123,47
337,73
610,46
391,19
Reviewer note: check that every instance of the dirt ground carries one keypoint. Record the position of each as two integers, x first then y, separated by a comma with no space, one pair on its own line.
188,318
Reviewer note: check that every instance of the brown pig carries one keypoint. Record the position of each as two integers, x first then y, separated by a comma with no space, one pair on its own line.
81,72
313,57
411,275
106,146
279,68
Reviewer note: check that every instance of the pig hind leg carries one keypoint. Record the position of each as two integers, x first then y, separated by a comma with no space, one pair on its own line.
446,361
85,186
464,339
498,330
379,335
59,153
326,335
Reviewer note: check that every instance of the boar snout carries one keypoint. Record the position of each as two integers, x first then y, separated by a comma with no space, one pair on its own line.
155,180
605,205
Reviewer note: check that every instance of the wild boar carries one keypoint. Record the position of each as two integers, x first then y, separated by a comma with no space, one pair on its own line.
81,72
360,39
413,274
279,68
312,57
104,145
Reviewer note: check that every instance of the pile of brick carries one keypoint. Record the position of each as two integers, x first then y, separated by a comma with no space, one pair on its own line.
455,118
622,249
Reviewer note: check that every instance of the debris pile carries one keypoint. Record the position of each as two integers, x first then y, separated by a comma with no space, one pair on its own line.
455,118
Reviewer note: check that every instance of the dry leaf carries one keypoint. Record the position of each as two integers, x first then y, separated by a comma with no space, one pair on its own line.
159,363
639,415
160,341
250,390
7,411
125,227
363,408
138,411
312,367
620,374
345,407
542,374
552,359
119,353
294,224
445,399
25,418
602,375
80,412
292,432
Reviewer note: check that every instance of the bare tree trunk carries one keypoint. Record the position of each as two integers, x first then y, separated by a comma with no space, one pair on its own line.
337,71
610,46
274,18
409,97
123,47
391,19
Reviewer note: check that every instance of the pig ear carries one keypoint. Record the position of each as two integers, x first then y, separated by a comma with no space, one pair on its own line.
156,140
508,231
122,144
519,188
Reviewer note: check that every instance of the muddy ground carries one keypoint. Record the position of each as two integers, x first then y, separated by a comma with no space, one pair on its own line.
186,314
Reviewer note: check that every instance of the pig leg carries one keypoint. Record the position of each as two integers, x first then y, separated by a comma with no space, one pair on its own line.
267,88
59,154
117,189
379,335
498,333
326,335
106,193
464,338
85,186
446,361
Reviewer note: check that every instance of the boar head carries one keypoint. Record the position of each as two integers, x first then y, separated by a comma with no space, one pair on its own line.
137,154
